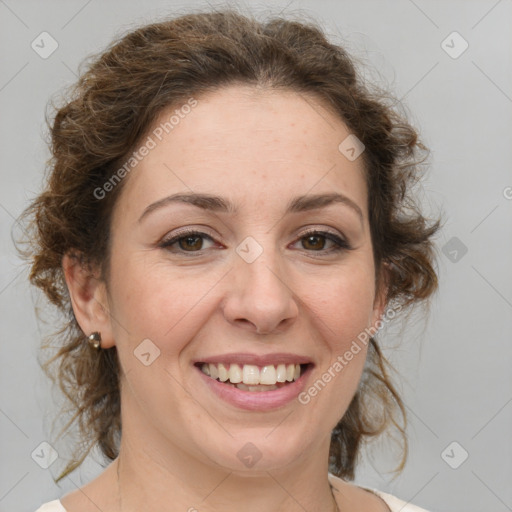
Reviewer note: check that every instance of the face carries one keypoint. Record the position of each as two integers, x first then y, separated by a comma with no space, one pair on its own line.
263,282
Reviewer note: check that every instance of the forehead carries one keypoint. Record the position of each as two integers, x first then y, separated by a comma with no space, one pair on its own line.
257,145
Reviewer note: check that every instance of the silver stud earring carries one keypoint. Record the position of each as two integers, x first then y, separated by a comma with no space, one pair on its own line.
95,340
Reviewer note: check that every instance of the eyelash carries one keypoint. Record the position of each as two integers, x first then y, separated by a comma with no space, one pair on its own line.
341,244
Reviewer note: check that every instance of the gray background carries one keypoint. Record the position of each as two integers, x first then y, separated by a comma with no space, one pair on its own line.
456,365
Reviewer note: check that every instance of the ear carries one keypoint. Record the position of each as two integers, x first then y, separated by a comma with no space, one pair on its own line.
89,298
380,301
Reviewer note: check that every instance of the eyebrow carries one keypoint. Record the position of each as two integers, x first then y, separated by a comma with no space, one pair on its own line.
220,204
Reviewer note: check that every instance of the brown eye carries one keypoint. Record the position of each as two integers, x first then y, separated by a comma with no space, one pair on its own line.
314,242
194,243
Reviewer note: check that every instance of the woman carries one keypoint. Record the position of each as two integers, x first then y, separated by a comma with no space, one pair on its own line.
227,223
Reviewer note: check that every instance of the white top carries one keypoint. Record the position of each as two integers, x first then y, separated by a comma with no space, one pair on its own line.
395,504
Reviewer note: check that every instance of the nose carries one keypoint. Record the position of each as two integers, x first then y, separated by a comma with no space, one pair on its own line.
259,296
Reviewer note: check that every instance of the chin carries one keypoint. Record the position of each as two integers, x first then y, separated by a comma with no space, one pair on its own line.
259,449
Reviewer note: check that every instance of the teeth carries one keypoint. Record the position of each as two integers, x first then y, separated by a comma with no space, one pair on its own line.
214,372
243,387
223,373
235,374
251,374
281,373
268,375
250,377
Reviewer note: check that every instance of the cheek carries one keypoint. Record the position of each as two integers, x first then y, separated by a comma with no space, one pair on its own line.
341,321
158,303
343,306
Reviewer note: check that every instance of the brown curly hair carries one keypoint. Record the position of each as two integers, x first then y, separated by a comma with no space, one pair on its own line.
113,105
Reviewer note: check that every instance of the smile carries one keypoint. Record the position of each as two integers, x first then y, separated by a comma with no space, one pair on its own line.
254,382
250,377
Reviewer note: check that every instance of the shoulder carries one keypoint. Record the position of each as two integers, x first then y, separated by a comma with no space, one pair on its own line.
396,504
99,494
371,499
51,506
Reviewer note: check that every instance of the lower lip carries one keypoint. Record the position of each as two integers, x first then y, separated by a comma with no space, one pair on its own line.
256,400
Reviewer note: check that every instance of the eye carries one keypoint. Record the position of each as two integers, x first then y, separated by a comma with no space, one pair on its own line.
192,241
187,241
316,241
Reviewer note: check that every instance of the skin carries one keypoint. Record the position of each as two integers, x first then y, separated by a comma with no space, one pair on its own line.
258,148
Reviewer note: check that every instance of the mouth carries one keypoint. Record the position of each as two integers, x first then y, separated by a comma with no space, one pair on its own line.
254,378
255,382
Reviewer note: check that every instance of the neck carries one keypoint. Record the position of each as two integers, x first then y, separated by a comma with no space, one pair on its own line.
155,475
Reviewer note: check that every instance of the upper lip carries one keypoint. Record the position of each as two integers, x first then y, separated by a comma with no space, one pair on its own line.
256,360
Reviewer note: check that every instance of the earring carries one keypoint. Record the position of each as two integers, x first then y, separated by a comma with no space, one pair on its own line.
95,340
